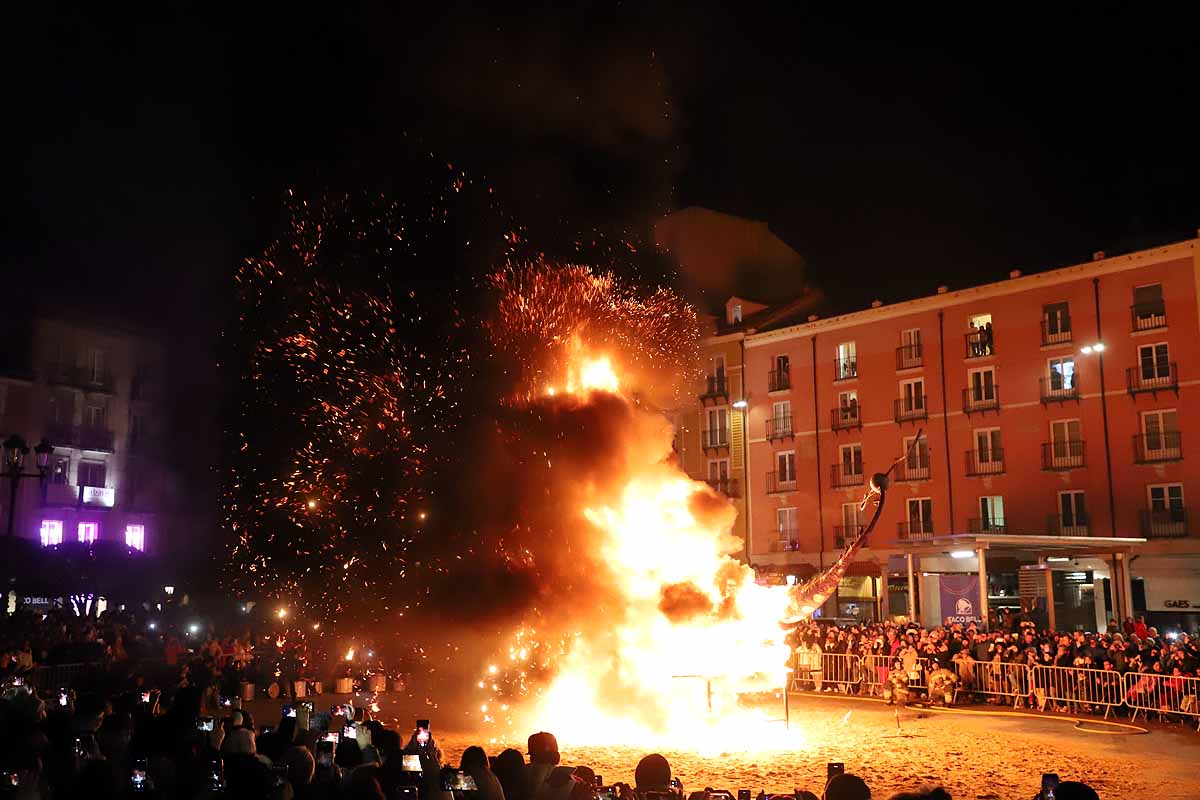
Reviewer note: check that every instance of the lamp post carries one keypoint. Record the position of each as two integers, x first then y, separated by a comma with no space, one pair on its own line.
15,451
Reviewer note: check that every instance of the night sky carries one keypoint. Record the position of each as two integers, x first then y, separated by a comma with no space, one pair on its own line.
149,145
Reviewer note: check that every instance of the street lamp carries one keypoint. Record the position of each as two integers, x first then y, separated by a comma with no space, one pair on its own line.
15,451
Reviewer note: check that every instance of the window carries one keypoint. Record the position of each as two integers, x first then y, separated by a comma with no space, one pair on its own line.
1066,443
60,470
912,394
1056,323
718,364
987,445
1072,514
135,537
735,314
848,405
1155,360
979,340
782,363
96,365
1160,434
718,422
1062,374
851,525
781,376
95,416
785,522
916,459
785,466
51,532
781,419
991,513
920,515
983,385
846,365
910,349
89,532
92,473
850,457
1166,497
1149,310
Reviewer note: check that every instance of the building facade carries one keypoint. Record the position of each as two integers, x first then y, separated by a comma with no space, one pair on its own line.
1053,414
97,395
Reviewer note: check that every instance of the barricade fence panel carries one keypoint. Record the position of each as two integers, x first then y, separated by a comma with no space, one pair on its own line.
995,679
1162,694
1076,689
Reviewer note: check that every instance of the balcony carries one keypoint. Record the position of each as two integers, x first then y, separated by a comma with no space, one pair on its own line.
843,418
65,495
914,530
985,462
977,402
1152,448
987,525
913,410
845,369
98,439
1160,377
778,428
787,540
85,378
980,343
1148,316
1059,456
716,388
909,356
846,535
1077,525
914,468
730,487
1056,331
1164,523
843,475
779,380
715,439
1056,390
777,486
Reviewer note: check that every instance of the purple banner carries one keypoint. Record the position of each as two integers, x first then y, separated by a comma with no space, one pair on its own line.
960,598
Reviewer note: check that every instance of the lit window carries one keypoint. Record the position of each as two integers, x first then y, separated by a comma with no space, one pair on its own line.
89,532
51,532
736,314
135,537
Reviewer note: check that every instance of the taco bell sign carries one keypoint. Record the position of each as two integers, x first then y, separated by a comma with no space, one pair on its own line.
960,598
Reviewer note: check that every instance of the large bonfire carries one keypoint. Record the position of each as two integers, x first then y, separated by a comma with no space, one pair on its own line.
648,629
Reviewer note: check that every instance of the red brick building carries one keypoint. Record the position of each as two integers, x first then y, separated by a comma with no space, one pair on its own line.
1055,455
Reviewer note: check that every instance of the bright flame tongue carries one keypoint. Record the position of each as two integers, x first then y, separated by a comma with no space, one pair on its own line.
690,631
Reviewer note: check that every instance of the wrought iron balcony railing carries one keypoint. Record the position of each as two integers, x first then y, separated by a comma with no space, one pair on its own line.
1056,389
910,410
1062,455
779,380
1151,448
1164,523
909,356
914,529
778,483
1056,331
1148,316
1156,377
842,475
985,462
978,400
844,418
778,427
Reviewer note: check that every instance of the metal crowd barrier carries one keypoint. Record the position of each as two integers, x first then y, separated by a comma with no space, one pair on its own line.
821,670
1164,694
997,679
56,675
1076,688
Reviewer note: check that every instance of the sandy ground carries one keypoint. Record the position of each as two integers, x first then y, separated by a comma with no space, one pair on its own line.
978,755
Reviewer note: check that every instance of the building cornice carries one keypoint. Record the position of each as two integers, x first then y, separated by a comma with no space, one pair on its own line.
1178,250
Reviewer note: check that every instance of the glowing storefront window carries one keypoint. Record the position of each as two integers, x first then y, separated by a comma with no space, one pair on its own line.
51,532
89,532
135,537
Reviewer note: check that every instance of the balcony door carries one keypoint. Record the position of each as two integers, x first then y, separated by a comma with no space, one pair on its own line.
912,394
1166,503
987,446
983,385
785,466
781,421
991,513
1160,434
1057,317
916,459
851,460
848,405
1065,438
718,471
1155,361
718,426
1062,374
1072,514
920,515
851,523
786,523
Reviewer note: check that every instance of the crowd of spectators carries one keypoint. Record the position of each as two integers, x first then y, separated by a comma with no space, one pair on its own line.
1131,647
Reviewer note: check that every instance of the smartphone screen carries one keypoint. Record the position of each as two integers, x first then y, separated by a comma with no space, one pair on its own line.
350,731
325,752
1049,784
410,763
62,698
137,778
423,735
330,736
145,697
216,774
225,701
205,724
288,711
